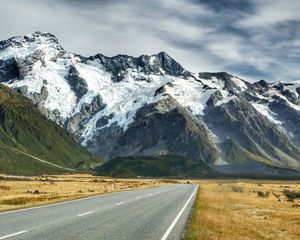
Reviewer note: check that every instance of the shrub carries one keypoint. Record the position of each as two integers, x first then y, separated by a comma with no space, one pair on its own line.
291,195
36,192
262,194
236,188
4,188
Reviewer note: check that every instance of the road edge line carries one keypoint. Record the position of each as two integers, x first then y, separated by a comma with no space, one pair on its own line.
167,233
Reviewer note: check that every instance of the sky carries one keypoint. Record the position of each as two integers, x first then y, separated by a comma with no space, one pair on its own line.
252,39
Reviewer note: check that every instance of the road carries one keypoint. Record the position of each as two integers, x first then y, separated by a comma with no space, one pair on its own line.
154,213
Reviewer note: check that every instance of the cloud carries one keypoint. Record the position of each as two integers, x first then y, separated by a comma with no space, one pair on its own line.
253,39
272,12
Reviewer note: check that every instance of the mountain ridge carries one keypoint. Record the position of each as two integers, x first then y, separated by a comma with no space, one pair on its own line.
30,144
99,99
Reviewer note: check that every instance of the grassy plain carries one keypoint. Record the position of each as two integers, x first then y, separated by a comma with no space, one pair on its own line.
19,192
224,209
246,209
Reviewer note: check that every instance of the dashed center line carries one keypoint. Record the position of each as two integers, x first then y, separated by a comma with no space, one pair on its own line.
83,214
138,197
120,203
14,234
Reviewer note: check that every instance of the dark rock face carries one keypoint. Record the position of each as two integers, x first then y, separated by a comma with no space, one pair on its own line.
103,121
25,65
290,96
279,86
214,98
78,84
239,121
289,117
162,128
87,111
229,84
156,64
8,70
169,65
105,141
252,97
162,89
261,86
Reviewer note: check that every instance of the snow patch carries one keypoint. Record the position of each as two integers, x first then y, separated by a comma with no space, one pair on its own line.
240,83
152,60
122,99
190,94
264,110
220,162
226,98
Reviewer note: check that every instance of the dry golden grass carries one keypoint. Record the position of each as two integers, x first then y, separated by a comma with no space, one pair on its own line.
19,192
245,210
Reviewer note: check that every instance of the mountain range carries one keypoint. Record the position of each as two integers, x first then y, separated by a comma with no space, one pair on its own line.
149,116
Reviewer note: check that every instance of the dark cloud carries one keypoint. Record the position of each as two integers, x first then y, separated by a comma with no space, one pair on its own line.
238,6
251,38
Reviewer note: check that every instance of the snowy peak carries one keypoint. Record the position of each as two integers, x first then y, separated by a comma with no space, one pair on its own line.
289,92
261,86
26,45
169,65
158,64
232,84
33,37
40,68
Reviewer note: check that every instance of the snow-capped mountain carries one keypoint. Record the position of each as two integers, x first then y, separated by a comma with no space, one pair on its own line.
150,105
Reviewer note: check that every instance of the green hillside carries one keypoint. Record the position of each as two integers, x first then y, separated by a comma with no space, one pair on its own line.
31,144
155,166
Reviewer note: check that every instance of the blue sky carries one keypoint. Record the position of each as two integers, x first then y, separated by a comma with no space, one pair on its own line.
253,39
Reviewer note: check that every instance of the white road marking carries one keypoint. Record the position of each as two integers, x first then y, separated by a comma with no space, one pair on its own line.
11,235
149,194
120,203
61,203
65,202
167,233
138,197
83,214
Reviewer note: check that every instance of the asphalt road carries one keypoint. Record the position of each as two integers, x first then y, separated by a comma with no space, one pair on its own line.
153,213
